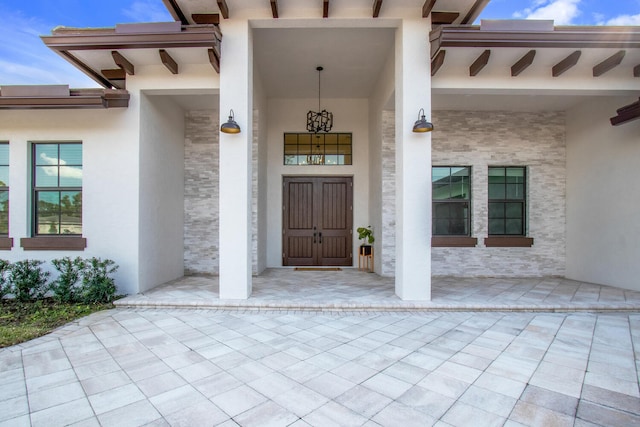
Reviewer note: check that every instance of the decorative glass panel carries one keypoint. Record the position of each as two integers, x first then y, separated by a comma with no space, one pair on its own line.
317,149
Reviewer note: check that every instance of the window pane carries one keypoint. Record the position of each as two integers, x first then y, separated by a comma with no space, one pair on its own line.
496,173
344,138
515,191
304,149
46,176
515,174
513,226
331,149
71,212
290,139
513,210
70,176
440,174
440,192
4,212
331,138
4,176
290,160
331,159
496,226
4,154
496,191
496,210
71,154
290,149
46,154
48,203
304,138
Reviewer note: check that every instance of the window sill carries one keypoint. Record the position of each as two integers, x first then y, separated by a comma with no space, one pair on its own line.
6,243
57,243
453,242
508,242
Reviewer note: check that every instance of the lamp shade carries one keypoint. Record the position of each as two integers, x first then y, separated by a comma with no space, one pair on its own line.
422,125
230,126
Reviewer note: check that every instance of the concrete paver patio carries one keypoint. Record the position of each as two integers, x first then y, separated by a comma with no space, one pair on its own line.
333,365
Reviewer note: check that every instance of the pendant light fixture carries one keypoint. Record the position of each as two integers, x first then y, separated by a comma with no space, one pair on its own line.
319,121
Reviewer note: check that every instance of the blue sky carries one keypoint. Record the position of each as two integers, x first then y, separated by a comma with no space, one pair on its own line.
25,60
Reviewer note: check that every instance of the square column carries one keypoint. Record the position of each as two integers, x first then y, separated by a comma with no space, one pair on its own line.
413,162
236,93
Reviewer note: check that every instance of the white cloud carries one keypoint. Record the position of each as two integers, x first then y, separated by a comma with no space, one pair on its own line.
147,11
65,172
623,20
563,12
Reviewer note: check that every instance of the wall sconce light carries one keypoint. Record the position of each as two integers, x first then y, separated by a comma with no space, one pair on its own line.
422,125
230,126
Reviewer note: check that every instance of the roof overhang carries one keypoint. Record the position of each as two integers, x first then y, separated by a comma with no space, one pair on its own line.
107,44
55,97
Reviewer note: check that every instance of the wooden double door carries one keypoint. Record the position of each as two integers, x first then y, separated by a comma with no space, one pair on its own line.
317,221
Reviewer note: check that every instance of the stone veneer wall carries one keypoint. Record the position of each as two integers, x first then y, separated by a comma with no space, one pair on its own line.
485,138
201,217
201,193
387,257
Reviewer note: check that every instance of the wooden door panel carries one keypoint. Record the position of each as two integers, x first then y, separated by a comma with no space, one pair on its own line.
317,221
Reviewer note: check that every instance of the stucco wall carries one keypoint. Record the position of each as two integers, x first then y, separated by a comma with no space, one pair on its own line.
485,138
110,181
161,191
603,195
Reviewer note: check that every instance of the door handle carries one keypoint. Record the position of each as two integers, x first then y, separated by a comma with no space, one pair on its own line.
320,236
314,237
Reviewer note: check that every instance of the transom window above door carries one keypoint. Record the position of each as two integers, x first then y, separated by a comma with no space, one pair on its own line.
324,149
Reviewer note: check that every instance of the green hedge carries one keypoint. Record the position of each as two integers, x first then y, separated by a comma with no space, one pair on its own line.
79,280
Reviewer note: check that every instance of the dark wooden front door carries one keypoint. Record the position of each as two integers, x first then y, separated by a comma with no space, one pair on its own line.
317,221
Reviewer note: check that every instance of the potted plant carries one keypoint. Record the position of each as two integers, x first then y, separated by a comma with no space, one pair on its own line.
366,235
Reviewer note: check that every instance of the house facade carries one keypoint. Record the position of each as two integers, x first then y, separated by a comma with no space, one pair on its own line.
530,170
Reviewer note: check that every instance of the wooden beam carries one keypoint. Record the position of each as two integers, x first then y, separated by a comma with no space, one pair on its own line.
608,64
427,7
325,8
474,12
175,11
437,62
122,62
567,63
168,61
214,60
626,114
443,18
479,63
636,71
115,74
523,63
117,77
377,4
206,18
274,8
224,9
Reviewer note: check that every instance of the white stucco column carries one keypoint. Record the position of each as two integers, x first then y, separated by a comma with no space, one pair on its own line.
413,162
236,92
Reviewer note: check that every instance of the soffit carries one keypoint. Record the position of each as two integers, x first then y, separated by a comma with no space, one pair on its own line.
466,9
604,59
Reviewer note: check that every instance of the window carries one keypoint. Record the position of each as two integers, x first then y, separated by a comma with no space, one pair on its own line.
57,188
317,149
451,192
4,189
507,201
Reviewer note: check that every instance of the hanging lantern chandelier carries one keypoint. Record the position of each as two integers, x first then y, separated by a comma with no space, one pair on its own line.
319,121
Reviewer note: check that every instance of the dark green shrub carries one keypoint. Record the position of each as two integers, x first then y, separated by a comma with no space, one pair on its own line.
5,285
66,287
97,285
27,280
